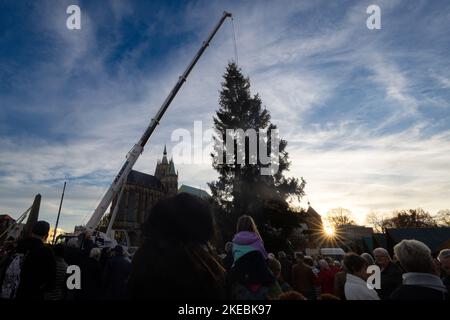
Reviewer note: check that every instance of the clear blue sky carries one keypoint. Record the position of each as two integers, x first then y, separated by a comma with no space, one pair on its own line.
366,112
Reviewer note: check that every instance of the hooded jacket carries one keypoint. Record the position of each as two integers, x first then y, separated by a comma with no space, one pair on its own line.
250,277
245,242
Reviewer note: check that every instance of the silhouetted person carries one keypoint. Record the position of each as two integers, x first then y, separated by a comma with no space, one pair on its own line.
286,267
228,259
325,277
72,252
339,284
391,275
116,274
355,285
39,267
275,267
420,282
368,257
91,276
174,261
87,244
303,278
444,267
250,277
59,290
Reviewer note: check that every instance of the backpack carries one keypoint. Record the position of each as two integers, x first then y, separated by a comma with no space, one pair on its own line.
11,278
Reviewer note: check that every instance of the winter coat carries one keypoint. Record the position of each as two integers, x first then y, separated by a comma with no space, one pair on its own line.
391,279
116,276
38,270
167,271
250,277
326,281
245,242
356,288
420,286
59,291
303,279
91,280
339,284
286,270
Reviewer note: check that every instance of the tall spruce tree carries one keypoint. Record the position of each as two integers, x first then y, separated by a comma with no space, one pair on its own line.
241,188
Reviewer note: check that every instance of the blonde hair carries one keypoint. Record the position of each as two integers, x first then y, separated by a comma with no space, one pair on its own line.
246,223
95,253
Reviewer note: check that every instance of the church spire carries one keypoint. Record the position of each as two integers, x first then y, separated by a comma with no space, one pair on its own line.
164,158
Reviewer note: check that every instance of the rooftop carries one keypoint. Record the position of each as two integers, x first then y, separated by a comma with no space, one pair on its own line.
194,191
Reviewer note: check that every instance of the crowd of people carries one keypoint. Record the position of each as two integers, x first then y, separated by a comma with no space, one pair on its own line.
176,261
32,270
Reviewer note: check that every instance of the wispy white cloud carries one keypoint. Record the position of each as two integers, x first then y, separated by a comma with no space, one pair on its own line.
300,59
366,173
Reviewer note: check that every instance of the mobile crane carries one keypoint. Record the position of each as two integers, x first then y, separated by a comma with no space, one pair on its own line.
133,155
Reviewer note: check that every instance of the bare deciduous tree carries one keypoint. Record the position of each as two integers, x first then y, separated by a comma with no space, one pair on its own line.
339,216
377,220
443,217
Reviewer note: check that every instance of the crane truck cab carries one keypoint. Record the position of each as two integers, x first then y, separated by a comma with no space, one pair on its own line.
101,240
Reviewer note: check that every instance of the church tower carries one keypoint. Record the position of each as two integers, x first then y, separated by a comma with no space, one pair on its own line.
165,172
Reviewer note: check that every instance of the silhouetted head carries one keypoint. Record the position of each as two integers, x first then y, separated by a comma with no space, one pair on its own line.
368,257
291,295
382,257
274,266
299,257
183,218
444,261
174,261
414,256
323,264
40,230
118,250
229,247
95,253
355,265
246,223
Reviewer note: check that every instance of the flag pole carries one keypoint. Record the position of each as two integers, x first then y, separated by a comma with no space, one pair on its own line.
59,212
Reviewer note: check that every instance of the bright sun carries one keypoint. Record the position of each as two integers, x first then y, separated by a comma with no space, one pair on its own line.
329,231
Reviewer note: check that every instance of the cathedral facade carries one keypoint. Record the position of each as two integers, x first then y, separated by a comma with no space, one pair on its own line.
141,191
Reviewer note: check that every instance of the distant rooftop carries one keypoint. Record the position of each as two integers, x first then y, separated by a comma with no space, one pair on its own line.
144,179
194,191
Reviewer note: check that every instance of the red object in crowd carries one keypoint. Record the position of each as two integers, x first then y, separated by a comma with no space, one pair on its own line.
325,279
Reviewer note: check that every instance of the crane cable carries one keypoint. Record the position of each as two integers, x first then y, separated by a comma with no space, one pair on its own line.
234,41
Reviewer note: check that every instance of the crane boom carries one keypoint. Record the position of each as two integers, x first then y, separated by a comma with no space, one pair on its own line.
137,149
